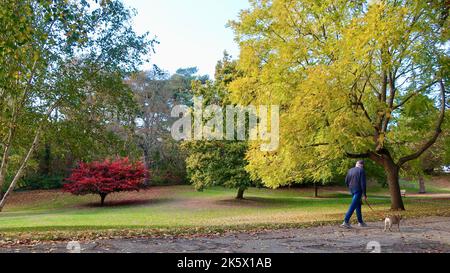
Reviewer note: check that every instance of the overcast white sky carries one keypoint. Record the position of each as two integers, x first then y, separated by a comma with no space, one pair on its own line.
191,32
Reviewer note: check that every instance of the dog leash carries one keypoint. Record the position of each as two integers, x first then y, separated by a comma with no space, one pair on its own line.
367,202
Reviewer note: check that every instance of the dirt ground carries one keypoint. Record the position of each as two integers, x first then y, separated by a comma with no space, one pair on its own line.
426,235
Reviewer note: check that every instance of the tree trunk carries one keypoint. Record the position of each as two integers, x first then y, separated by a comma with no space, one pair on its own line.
7,146
240,194
4,166
422,189
47,160
147,163
392,171
316,190
102,200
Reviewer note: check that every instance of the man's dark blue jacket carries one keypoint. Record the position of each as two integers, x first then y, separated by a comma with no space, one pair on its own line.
356,180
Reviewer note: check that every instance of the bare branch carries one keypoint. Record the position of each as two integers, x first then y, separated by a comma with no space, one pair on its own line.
410,96
356,156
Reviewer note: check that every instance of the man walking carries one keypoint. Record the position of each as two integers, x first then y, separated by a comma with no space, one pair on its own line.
356,182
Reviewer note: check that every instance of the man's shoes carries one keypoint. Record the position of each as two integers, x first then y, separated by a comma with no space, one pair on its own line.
362,224
346,225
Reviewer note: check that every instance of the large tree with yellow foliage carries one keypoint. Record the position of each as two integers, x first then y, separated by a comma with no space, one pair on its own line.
354,79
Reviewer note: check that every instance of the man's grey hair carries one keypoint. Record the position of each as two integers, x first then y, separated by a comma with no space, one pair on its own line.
360,164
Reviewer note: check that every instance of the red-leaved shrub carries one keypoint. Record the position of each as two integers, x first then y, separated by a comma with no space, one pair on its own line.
105,177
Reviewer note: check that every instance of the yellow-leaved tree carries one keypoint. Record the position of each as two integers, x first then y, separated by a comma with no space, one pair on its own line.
354,79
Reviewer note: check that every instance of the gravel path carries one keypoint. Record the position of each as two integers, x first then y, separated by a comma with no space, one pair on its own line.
430,234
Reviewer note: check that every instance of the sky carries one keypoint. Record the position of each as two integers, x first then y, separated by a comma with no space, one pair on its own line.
190,32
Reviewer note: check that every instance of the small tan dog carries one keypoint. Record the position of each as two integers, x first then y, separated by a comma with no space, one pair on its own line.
392,220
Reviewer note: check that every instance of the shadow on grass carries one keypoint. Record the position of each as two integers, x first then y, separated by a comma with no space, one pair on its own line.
292,202
281,202
127,203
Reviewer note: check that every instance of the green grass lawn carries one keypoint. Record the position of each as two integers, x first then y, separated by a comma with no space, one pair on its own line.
180,209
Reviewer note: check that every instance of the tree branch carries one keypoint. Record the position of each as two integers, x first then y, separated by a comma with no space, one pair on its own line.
410,96
25,160
355,156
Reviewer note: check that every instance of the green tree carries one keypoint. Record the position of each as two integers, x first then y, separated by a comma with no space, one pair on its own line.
60,56
217,163
354,79
213,163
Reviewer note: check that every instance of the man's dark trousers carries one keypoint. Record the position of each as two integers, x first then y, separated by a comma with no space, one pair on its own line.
356,205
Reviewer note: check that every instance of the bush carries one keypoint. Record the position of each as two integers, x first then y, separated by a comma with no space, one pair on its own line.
167,177
41,182
106,177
